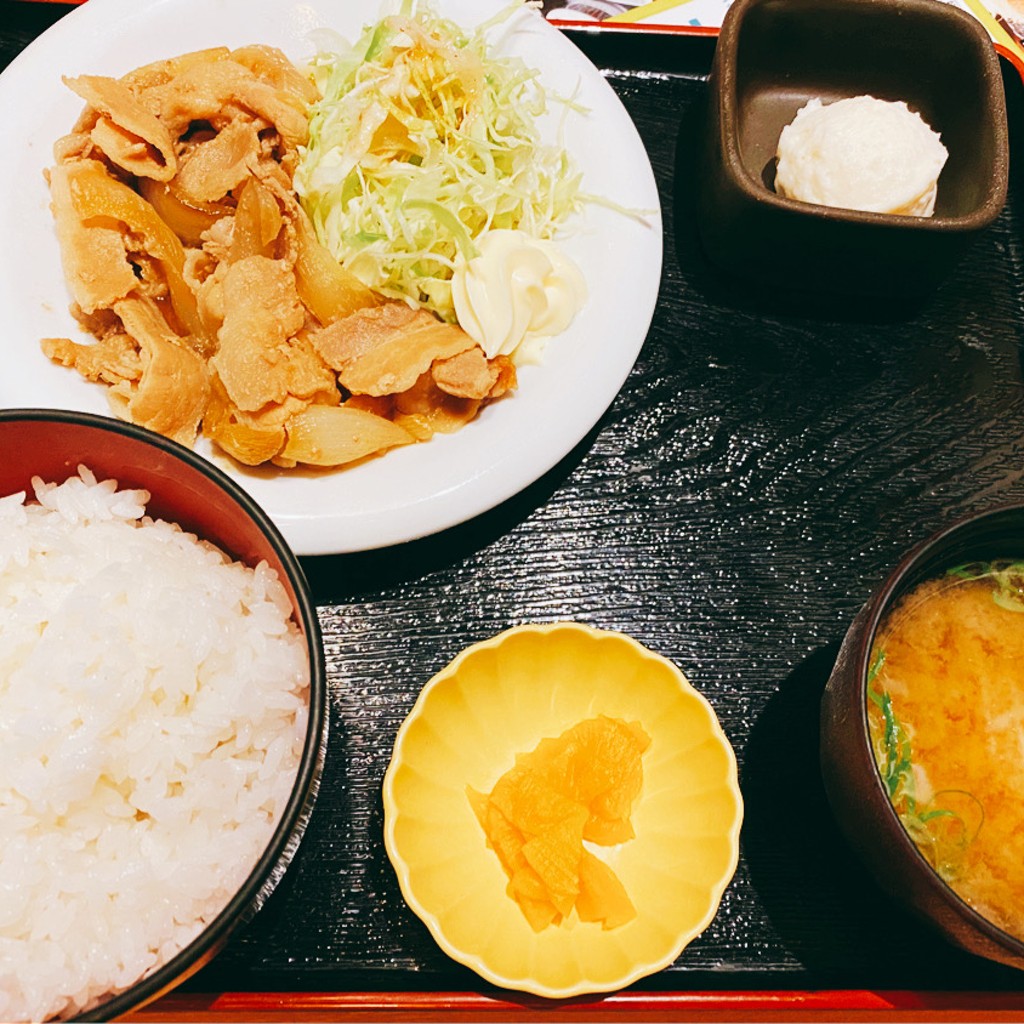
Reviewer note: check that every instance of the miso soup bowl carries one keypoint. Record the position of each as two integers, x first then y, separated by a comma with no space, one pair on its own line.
852,780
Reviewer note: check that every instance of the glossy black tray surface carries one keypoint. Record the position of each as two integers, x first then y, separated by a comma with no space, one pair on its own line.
765,464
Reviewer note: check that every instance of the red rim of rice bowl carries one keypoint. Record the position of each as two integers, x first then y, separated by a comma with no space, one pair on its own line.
188,490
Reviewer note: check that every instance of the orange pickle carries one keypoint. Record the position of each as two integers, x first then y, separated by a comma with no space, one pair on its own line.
580,786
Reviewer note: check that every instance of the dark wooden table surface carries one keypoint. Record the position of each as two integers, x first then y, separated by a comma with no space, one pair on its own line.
765,464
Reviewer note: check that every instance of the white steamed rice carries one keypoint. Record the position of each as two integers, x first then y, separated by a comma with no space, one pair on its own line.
153,708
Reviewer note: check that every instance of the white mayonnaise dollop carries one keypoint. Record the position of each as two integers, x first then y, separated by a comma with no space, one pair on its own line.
516,291
861,153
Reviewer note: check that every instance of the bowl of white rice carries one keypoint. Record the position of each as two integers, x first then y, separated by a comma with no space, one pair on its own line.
162,713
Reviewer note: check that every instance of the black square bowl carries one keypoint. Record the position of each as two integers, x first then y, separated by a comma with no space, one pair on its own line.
772,57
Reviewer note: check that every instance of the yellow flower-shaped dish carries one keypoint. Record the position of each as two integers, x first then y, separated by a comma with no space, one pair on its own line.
499,698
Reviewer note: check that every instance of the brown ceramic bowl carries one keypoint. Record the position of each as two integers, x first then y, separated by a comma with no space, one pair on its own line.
191,491
772,57
852,780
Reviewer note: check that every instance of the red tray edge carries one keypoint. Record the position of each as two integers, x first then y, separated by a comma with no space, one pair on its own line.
783,1005
684,30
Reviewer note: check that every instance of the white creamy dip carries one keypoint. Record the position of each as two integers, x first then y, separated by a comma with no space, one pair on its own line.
863,154
517,291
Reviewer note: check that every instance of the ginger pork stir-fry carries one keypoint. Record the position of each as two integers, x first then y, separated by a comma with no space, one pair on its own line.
213,306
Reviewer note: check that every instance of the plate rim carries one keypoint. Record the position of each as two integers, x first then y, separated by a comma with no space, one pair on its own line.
327,527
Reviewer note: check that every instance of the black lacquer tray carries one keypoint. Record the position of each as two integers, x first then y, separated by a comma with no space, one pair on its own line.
764,466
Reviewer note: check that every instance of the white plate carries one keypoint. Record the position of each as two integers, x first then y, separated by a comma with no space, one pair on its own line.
410,492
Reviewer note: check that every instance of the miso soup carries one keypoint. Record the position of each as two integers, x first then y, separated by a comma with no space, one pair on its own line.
946,715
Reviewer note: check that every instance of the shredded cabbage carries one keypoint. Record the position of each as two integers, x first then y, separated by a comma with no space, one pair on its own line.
423,140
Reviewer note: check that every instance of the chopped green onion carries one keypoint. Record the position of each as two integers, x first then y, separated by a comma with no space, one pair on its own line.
1008,577
940,832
